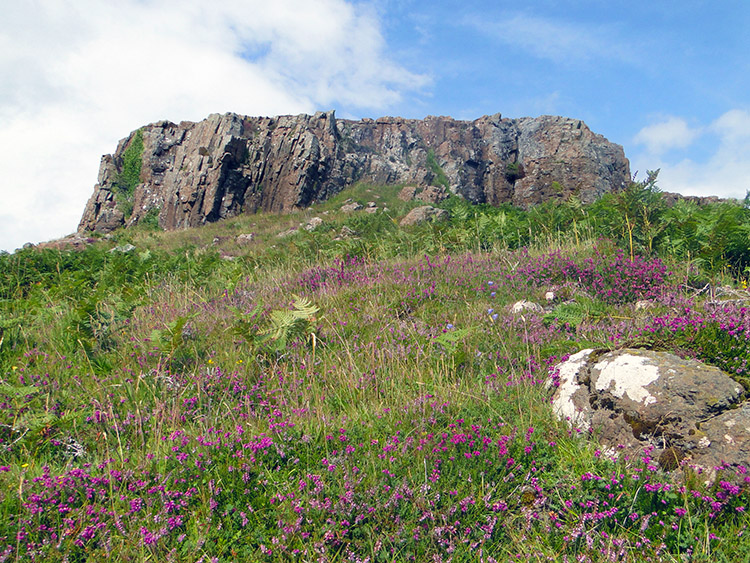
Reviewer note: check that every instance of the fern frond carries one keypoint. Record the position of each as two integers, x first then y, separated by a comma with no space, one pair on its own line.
304,307
281,322
449,340
18,391
34,422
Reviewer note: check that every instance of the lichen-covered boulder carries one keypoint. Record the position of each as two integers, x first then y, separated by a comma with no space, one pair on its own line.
723,439
630,398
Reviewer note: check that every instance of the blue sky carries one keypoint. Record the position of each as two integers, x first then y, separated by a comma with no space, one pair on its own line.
670,81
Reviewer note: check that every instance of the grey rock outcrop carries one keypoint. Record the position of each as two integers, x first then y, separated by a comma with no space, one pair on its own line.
423,214
193,173
351,207
632,398
427,194
75,241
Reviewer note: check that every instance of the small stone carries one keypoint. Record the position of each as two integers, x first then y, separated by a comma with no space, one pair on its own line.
346,232
351,207
124,248
524,305
244,238
313,223
287,233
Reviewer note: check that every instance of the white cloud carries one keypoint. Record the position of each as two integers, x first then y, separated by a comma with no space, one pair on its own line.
726,170
733,126
672,132
559,41
77,77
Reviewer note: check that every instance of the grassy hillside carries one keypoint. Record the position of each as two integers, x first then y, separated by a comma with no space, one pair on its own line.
359,395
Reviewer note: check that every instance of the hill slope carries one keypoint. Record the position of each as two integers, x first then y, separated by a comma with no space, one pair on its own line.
359,390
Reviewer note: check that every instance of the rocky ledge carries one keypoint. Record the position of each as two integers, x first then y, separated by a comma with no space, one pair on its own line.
193,173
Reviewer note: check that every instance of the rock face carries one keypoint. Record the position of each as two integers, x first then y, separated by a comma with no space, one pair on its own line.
427,194
193,173
632,398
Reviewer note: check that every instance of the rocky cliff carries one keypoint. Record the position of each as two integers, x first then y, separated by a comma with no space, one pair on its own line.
193,173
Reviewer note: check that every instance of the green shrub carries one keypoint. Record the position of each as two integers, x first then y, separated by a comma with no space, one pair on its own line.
130,172
512,172
440,178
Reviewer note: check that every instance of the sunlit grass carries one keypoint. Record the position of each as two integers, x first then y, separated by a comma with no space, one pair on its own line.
410,420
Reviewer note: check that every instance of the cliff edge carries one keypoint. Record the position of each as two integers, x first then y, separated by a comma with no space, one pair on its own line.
188,174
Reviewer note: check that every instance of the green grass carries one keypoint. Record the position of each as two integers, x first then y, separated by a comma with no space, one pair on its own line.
307,398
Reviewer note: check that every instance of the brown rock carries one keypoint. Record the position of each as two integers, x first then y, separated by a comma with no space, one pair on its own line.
723,439
193,173
76,241
407,193
423,214
351,207
558,157
427,194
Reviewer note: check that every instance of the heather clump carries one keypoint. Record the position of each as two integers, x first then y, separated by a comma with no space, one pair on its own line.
716,333
343,272
610,278
436,485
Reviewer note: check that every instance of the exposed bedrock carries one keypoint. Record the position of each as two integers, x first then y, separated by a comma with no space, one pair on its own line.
193,173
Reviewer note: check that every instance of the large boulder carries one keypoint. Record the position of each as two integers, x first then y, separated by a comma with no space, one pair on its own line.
633,398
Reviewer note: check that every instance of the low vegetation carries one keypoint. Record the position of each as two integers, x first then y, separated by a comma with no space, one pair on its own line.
368,397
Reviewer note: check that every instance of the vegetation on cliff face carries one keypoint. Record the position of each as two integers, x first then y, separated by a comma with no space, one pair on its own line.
130,173
365,397
440,179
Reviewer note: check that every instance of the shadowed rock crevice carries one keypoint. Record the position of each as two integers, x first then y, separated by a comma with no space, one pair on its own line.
194,173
